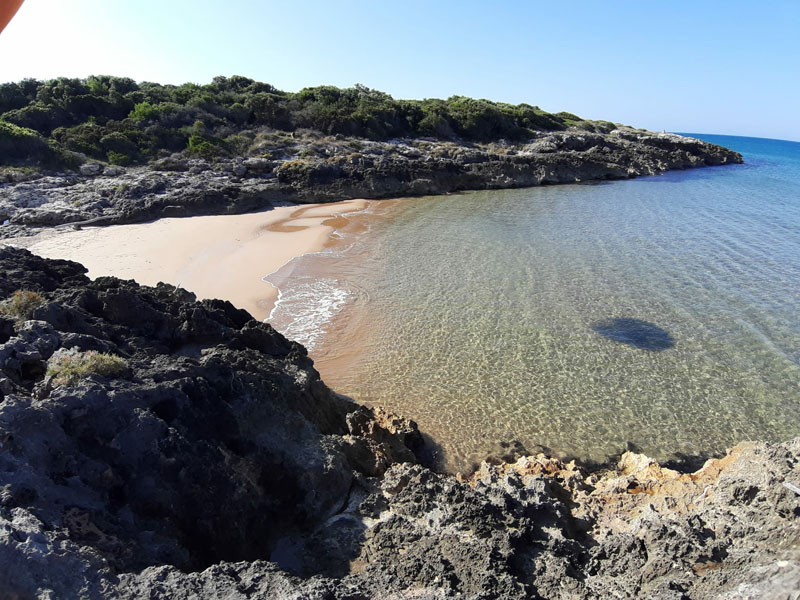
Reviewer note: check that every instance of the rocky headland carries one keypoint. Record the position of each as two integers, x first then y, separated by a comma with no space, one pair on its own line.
310,167
154,446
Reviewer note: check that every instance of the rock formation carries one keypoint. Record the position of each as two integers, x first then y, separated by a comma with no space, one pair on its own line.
218,465
335,170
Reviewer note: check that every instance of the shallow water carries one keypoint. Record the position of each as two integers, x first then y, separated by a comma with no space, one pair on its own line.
660,312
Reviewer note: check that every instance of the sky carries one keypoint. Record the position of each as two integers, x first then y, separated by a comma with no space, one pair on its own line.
706,66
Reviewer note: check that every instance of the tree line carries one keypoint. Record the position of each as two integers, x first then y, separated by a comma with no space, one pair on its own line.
118,120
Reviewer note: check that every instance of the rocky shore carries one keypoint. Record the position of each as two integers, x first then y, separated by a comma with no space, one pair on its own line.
309,167
154,446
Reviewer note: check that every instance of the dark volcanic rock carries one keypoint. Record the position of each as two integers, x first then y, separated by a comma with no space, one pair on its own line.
218,465
221,441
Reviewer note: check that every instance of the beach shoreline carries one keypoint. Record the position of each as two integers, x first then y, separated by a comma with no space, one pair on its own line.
228,257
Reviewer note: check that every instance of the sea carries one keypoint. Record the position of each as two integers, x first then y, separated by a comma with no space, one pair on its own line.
658,314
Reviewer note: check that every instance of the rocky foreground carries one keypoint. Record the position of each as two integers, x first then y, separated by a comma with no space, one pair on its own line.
210,461
308,167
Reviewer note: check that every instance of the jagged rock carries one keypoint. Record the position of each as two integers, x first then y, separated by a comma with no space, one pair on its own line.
22,357
171,163
257,165
218,411
91,169
177,186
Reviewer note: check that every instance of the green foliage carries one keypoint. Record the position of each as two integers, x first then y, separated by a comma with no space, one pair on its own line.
84,138
435,122
200,146
97,86
567,116
269,109
70,368
19,143
117,158
144,111
21,304
238,144
105,117
11,97
120,146
37,116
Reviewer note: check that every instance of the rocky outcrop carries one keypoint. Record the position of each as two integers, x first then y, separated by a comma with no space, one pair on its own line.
540,529
337,169
218,465
216,443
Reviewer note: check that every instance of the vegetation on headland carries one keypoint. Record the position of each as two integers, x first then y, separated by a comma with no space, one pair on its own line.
117,120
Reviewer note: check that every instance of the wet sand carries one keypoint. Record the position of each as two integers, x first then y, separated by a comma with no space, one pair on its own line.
225,257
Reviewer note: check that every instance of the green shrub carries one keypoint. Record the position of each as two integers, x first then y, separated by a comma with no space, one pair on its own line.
120,150
206,147
11,97
201,147
568,116
21,304
238,144
19,142
435,125
144,111
116,158
69,368
39,117
84,138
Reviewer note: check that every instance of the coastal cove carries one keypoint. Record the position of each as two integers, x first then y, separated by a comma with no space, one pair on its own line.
579,319
433,301
216,461
657,313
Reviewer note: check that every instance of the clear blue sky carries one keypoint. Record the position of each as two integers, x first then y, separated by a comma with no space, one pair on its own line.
708,66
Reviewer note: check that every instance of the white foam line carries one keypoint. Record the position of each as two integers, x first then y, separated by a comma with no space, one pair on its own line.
344,215
280,293
318,301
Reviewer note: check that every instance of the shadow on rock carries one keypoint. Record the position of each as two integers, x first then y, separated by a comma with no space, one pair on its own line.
636,333
330,551
688,463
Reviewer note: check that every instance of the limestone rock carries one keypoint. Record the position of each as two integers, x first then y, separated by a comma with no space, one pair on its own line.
339,170
91,169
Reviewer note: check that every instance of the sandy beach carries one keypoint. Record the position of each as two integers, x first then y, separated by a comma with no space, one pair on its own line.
224,257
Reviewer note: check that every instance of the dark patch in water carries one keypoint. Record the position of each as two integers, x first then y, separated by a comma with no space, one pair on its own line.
636,333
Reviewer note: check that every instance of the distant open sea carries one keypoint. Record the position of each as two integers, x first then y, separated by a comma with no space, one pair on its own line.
660,313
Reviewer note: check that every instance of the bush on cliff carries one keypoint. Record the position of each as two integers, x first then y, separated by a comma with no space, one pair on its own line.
69,368
21,304
205,148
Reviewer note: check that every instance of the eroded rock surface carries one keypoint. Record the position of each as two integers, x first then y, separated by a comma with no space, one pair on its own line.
220,466
332,169
219,440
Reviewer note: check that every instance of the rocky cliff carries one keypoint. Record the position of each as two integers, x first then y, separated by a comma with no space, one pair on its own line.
202,457
326,169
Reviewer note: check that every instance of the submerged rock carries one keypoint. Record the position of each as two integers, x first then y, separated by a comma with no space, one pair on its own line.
220,466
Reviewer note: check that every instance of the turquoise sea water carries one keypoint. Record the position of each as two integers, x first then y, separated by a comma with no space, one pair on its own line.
661,312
